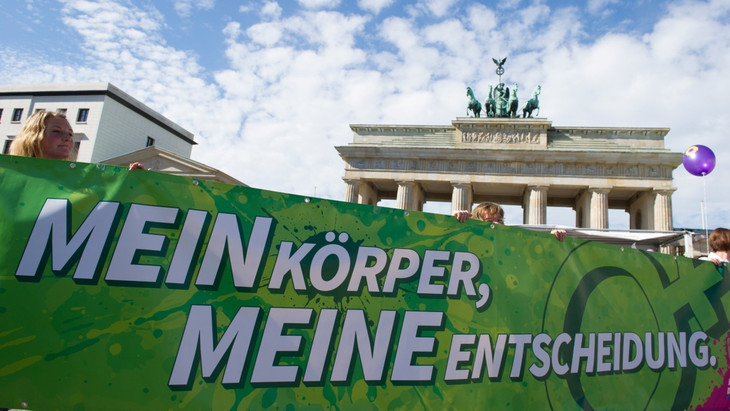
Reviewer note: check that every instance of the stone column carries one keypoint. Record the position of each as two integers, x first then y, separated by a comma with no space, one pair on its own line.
409,196
641,211
598,207
367,194
351,190
534,205
461,196
663,210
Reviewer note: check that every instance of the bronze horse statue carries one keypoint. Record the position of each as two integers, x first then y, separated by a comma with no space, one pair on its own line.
474,104
513,103
490,106
532,104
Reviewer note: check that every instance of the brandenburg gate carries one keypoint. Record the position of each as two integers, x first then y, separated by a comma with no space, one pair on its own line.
516,161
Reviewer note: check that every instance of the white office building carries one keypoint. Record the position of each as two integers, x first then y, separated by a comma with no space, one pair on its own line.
110,126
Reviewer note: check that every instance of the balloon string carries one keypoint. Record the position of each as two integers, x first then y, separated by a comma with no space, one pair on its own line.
704,212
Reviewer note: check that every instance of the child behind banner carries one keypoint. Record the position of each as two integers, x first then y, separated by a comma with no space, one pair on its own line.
494,213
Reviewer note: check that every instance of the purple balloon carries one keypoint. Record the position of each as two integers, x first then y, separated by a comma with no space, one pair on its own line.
699,160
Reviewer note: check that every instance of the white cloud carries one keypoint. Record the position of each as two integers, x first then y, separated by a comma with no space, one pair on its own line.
374,6
439,8
265,34
271,9
318,4
185,8
600,6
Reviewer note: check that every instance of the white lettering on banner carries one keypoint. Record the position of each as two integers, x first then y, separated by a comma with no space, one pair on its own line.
199,337
273,342
321,345
372,357
316,270
580,352
226,235
51,229
520,342
387,344
198,342
369,273
456,356
493,357
410,343
287,262
670,349
312,267
602,351
190,239
133,238
468,354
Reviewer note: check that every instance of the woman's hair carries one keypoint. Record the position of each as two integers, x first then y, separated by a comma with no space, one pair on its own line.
28,141
487,210
720,239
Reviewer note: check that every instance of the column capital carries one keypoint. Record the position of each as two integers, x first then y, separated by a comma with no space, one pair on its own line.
599,189
538,187
406,182
463,184
665,191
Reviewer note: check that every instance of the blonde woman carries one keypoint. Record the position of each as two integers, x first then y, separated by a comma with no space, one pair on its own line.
45,135
48,135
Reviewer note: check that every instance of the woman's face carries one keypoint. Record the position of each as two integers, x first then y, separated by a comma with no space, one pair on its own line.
58,142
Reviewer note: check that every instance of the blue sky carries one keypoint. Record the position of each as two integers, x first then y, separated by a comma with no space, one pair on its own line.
270,88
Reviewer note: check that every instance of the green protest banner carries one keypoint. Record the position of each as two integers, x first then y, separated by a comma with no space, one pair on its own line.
141,290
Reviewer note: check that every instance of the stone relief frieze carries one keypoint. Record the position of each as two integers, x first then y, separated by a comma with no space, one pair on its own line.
500,137
523,168
632,171
403,164
509,168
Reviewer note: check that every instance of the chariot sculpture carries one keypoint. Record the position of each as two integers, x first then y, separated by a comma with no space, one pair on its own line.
501,101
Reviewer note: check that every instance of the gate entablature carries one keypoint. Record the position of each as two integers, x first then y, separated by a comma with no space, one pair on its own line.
521,161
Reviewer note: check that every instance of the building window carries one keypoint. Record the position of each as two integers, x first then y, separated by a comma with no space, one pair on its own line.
77,145
83,115
39,109
17,114
150,141
1,114
62,111
6,147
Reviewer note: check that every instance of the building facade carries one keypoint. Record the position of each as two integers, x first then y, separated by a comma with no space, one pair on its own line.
110,126
107,122
516,161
